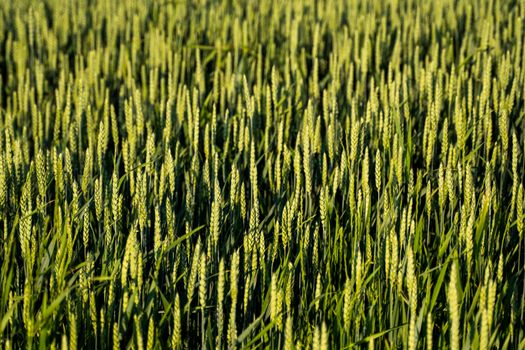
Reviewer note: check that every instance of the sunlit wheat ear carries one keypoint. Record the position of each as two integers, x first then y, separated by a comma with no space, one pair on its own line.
202,281
138,333
378,171
347,307
220,301
394,262
444,142
412,293
3,183
242,195
365,173
274,299
430,328
324,337
318,291
64,343
428,198
151,335
306,150
234,276
176,339
73,341
519,211
491,302
316,338
116,336
27,309
288,334
453,304
403,227
485,308
323,210
26,222
515,174
500,269
442,188
450,182
99,198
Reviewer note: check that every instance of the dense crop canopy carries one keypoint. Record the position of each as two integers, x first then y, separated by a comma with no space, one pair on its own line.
307,174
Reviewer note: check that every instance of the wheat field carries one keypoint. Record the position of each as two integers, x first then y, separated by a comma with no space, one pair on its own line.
237,174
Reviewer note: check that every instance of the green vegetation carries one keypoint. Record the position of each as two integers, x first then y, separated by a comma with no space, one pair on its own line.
306,174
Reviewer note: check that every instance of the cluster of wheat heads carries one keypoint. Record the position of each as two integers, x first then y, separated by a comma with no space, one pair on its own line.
306,174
